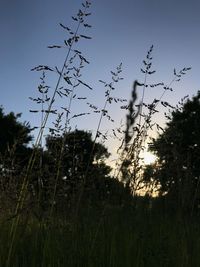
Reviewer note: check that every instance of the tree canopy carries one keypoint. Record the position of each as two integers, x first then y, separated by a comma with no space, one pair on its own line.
65,165
14,137
178,149
71,161
78,153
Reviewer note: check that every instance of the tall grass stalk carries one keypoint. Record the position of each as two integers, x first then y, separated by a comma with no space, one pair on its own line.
25,183
137,131
108,99
112,234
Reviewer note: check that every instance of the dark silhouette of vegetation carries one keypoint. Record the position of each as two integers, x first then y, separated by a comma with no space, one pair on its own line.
61,204
83,165
14,155
14,137
98,184
177,169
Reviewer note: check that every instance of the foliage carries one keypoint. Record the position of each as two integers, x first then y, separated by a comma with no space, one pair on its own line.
82,163
79,152
14,155
14,139
68,209
14,134
113,237
140,122
178,151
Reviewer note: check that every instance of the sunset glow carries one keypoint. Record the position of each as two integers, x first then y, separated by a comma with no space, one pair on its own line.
148,158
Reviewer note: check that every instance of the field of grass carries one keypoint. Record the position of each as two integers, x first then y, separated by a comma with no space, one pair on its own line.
60,204
116,236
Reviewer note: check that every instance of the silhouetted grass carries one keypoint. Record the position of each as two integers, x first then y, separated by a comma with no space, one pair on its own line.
113,231
120,237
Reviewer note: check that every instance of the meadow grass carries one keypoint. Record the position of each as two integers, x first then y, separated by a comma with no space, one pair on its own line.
108,234
120,237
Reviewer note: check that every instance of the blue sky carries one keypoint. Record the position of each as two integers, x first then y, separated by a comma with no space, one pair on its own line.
122,31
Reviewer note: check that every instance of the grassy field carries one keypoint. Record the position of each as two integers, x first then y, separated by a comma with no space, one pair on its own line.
94,218
112,237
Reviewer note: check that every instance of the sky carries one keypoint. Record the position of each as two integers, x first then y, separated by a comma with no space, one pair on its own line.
122,32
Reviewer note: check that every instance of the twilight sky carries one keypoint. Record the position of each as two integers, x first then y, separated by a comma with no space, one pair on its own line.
122,31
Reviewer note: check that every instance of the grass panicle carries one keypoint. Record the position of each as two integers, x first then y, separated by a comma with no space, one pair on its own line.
62,204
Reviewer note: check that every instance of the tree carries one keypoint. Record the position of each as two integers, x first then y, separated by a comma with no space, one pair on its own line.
14,155
14,138
79,154
178,152
71,161
81,165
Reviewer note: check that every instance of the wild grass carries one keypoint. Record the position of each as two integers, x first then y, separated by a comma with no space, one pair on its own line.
122,237
95,218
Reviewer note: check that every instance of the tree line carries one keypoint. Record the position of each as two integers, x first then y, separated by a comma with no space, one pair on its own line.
82,164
